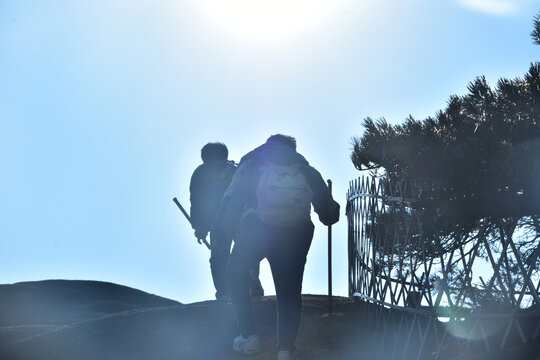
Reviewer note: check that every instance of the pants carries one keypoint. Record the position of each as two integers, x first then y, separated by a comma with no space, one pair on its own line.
286,250
219,256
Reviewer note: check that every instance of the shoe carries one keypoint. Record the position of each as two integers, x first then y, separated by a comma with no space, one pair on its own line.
286,355
249,346
255,287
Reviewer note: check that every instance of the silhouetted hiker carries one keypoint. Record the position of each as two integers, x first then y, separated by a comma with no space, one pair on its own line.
268,207
208,183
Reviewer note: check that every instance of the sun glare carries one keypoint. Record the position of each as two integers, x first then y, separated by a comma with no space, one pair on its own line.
269,21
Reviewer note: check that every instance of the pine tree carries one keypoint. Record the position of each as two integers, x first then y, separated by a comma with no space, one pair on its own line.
478,159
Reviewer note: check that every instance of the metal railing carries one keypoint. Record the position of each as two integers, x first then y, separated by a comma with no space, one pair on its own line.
442,294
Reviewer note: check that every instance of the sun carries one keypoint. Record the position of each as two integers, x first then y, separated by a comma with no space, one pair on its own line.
268,21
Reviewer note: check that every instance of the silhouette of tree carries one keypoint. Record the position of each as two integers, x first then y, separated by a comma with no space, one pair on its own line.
478,157
477,160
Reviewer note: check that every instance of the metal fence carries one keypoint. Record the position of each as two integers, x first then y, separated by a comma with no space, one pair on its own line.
447,295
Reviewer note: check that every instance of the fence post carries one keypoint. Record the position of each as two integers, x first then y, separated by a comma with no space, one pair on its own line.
330,259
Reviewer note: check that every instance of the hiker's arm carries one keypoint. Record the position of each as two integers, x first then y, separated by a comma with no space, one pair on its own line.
233,203
323,203
196,190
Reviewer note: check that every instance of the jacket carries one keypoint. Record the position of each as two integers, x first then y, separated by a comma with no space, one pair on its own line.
240,198
208,184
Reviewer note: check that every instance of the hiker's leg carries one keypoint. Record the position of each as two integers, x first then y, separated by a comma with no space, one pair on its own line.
254,273
247,252
255,286
219,256
287,260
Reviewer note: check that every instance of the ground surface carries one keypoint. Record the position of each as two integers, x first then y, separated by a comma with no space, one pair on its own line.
93,320
86,320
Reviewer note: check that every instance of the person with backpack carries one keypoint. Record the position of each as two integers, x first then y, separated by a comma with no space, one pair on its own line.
208,183
267,208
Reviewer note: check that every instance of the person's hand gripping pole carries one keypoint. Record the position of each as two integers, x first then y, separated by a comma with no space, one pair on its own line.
199,240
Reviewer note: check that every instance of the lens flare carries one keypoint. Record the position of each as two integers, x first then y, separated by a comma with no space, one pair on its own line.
475,327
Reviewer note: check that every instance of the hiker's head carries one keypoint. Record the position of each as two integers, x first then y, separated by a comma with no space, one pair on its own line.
213,152
282,139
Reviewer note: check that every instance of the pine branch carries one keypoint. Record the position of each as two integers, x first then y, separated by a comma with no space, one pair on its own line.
535,34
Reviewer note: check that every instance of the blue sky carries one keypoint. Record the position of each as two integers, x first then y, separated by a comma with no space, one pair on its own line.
104,106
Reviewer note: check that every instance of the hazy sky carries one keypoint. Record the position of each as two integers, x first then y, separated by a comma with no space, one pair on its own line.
104,106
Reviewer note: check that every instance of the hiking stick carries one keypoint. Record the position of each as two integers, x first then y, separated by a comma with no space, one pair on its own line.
200,241
330,260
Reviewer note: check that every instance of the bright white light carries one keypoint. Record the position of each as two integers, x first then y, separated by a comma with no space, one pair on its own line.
495,7
268,20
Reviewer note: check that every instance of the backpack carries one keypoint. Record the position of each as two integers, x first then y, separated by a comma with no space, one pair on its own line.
283,195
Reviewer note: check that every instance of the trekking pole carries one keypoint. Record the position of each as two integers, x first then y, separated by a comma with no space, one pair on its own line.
200,241
330,259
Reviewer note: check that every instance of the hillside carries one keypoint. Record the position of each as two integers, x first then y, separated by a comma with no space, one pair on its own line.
60,319
88,320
